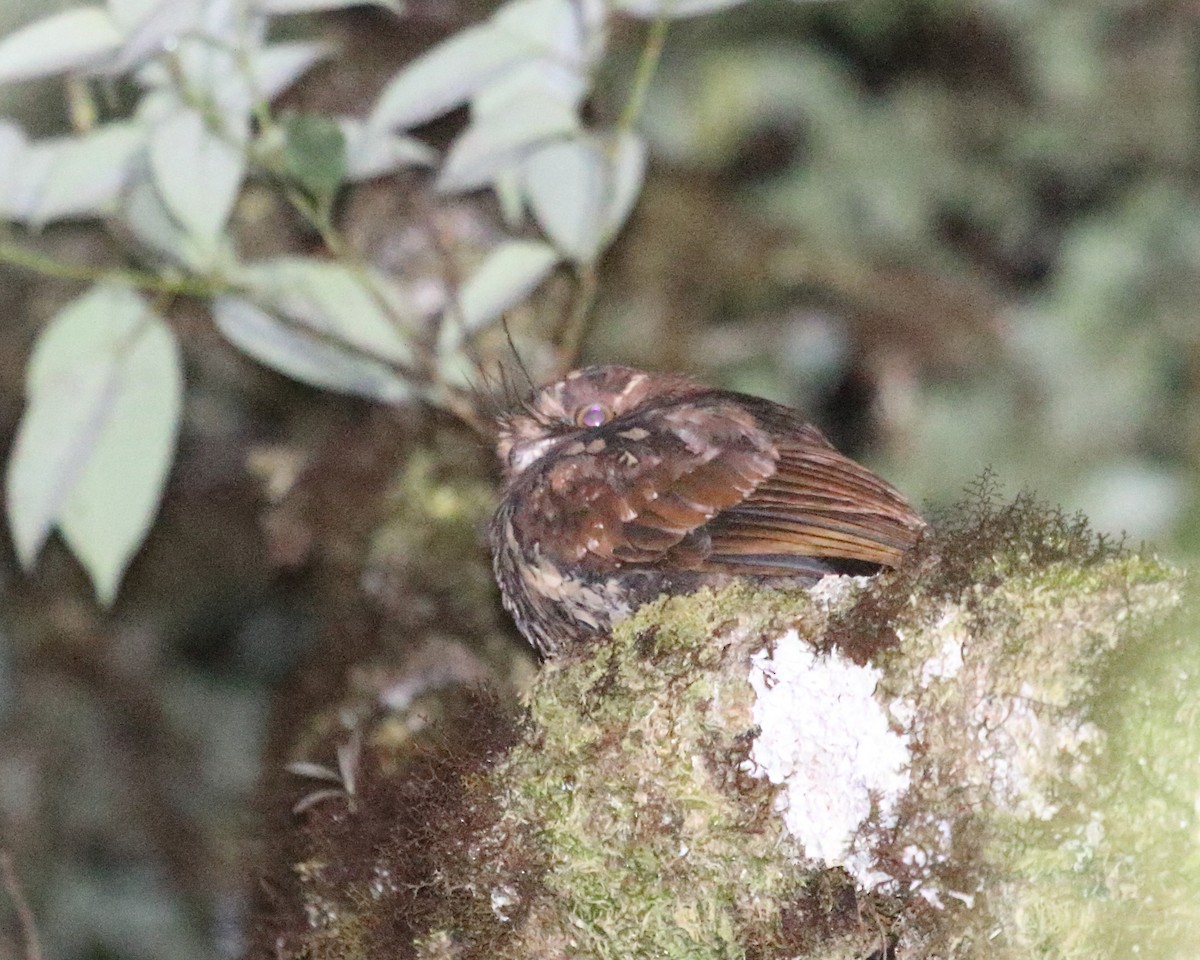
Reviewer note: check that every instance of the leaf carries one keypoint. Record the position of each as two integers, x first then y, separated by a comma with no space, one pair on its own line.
627,171
509,274
65,176
567,32
94,446
534,102
14,171
87,173
354,322
581,190
277,66
303,354
216,79
75,39
142,210
371,152
147,26
312,6
487,149
197,173
446,77
314,153
673,9
566,183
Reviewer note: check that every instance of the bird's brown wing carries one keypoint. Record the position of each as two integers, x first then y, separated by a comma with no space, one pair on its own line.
817,503
717,484
636,490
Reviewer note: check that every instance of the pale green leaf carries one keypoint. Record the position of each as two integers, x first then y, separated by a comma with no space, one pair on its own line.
532,103
672,8
581,190
214,73
65,176
147,26
627,172
567,32
127,14
507,187
198,173
142,210
299,352
14,149
566,184
315,6
446,77
277,66
98,434
76,39
361,310
486,149
509,274
371,152
87,172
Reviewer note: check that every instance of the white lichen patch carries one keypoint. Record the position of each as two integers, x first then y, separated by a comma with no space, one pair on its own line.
835,590
1032,751
828,742
946,663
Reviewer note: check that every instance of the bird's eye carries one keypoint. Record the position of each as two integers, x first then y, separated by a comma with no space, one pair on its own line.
592,415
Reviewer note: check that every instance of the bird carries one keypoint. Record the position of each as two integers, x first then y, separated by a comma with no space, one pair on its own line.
620,485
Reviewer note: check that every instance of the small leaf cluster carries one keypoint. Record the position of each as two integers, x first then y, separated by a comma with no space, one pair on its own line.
105,387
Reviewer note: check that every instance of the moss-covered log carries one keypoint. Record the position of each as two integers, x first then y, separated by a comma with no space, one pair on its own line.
988,753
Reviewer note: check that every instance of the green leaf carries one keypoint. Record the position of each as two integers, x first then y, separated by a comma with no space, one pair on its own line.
144,213
75,39
276,66
446,77
509,274
533,103
88,172
627,172
147,26
581,190
303,354
314,6
65,176
198,174
673,9
359,309
371,152
315,153
92,453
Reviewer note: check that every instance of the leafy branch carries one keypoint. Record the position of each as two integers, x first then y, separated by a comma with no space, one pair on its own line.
89,462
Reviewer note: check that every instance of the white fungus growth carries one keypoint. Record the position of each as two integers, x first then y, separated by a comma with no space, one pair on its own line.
827,740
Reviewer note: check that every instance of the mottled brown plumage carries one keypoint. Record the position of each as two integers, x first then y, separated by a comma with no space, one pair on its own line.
621,485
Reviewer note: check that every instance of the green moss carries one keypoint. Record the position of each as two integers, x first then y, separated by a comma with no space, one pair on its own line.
1052,729
1122,876
658,847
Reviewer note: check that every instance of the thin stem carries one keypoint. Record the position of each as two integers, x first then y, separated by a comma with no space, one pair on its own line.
23,258
646,68
12,886
571,333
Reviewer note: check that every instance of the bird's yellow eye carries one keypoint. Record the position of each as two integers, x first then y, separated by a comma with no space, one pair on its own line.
593,415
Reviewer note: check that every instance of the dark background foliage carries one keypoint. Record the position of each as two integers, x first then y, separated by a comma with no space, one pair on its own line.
961,234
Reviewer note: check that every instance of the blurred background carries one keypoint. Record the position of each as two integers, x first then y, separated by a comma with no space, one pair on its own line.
964,235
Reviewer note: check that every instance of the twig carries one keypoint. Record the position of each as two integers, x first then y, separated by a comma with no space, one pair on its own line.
646,68
572,332
14,255
12,886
